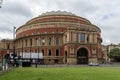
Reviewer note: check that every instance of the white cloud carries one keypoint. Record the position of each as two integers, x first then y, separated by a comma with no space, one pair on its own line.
6,35
103,13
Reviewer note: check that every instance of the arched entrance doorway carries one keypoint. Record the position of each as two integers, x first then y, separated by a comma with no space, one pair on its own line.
82,56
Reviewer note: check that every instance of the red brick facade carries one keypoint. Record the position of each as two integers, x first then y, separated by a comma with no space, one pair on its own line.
67,38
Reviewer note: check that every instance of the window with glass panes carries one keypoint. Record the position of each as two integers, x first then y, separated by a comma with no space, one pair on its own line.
49,54
57,40
36,41
43,41
26,42
50,41
57,52
82,37
30,41
42,51
77,37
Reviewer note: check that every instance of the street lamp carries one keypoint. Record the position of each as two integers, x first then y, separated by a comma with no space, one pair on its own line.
2,57
14,45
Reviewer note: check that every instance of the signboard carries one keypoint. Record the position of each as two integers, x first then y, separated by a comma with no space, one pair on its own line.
26,55
32,55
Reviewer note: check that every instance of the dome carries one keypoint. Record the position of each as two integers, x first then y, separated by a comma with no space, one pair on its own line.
58,16
54,20
57,13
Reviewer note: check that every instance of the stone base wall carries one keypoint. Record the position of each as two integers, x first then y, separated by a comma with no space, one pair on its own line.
71,61
93,60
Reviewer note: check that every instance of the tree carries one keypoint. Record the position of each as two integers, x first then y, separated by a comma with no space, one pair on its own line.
115,54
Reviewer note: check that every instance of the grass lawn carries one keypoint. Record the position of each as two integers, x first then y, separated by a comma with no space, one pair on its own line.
63,73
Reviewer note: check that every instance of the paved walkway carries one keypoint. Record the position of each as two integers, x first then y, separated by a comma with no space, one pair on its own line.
59,65
65,65
111,65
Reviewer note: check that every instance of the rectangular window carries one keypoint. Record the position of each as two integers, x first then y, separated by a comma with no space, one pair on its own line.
82,37
30,41
43,41
76,37
30,50
36,51
49,54
42,51
50,41
26,42
57,40
36,41
88,38
8,46
57,52
26,51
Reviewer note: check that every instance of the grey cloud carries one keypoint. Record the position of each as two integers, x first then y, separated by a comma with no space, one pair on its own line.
104,14
17,8
79,6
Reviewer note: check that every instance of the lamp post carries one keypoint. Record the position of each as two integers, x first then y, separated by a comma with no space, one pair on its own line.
2,57
14,45
22,49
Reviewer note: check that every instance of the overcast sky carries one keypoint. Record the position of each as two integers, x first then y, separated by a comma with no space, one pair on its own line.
103,13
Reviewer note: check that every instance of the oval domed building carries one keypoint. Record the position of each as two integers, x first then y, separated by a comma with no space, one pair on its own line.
61,37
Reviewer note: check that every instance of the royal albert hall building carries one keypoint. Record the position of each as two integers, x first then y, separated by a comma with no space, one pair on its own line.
61,37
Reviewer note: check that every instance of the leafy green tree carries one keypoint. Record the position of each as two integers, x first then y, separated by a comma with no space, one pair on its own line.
115,54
